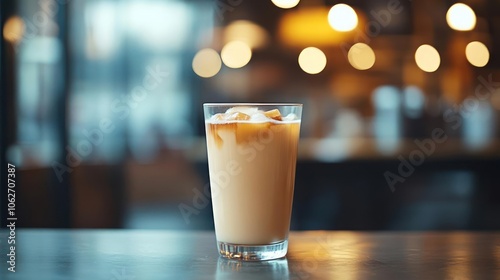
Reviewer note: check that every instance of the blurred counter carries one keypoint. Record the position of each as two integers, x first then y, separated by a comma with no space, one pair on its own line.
142,254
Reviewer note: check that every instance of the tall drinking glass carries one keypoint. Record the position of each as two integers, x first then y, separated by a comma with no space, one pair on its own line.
252,154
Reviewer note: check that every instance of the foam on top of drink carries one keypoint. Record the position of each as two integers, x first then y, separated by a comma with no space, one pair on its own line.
252,115
245,124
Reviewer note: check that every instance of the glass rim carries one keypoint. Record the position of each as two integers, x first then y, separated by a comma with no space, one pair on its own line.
251,104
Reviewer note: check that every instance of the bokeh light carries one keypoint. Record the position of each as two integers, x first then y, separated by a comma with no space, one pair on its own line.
361,56
13,29
246,31
236,54
206,63
461,17
285,4
427,58
308,26
342,18
312,60
477,54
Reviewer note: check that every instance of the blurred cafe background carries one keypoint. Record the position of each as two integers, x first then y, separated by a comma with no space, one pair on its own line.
101,108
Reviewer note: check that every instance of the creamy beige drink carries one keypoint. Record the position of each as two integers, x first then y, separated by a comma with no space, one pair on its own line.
252,156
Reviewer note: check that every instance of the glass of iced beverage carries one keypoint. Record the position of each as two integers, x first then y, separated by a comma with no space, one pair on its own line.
252,154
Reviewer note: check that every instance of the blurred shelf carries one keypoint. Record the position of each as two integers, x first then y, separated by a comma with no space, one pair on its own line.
345,149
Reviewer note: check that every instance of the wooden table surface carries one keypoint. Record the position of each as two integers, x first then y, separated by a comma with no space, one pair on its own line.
158,254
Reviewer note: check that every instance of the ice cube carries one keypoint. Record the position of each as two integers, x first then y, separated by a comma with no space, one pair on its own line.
217,117
273,114
243,109
237,116
259,117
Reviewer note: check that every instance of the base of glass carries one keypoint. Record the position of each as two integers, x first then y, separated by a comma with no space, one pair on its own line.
253,252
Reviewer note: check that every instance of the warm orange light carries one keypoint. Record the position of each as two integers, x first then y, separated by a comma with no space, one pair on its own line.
427,58
236,54
461,17
285,4
206,63
477,54
246,31
342,18
13,29
309,27
361,56
312,60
